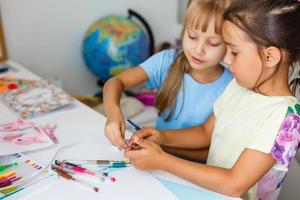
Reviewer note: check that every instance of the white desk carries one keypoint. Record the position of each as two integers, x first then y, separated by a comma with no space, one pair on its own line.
80,124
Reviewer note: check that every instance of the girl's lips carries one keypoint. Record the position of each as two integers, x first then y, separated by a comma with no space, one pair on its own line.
197,61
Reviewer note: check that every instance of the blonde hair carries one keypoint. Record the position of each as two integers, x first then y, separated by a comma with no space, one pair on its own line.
198,16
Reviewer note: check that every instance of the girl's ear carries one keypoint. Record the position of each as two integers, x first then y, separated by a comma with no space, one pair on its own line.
272,56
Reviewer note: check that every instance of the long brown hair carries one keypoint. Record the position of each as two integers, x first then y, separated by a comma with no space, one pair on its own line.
199,13
271,23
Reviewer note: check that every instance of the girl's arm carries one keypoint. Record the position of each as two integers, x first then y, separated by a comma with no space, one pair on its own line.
196,137
251,166
115,86
113,89
196,155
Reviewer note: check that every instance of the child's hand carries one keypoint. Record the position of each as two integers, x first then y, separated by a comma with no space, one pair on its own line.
115,131
146,133
147,158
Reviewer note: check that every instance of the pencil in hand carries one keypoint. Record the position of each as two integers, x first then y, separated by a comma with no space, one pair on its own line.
134,125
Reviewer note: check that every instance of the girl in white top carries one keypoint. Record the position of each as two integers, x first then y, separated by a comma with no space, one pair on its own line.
254,131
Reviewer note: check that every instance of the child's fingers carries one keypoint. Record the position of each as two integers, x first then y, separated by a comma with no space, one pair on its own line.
146,144
114,134
119,142
112,137
108,134
131,154
119,137
141,134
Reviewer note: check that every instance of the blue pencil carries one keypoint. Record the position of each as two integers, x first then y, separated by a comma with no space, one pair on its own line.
134,125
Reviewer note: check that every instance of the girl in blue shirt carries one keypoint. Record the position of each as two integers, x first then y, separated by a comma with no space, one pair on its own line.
188,80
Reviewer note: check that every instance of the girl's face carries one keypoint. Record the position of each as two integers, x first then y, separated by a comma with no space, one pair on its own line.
204,50
242,56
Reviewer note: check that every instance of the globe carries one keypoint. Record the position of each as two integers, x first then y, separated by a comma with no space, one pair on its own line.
114,44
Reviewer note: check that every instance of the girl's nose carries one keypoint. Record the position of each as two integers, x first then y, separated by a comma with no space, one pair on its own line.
227,58
200,48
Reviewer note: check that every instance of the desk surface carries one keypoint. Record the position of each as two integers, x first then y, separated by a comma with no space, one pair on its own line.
81,125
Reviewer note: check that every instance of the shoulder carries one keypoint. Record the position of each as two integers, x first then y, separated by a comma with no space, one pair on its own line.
232,87
157,67
288,138
227,95
272,109
169,54
274,105
269,117
160,60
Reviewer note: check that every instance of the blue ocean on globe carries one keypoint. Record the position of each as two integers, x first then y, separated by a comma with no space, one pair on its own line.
114,44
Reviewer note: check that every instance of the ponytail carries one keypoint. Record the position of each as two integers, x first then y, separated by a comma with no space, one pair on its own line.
166,96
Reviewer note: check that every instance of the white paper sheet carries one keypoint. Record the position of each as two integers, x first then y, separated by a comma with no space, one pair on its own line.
91,151
136,184
131,184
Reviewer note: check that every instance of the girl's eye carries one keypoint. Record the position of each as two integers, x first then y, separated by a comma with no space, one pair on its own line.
234,53
214,44
191,37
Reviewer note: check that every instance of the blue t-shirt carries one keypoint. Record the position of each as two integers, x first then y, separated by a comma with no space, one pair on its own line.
194,103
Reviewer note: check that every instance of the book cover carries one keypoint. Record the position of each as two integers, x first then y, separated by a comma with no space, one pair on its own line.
8,83
36,98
